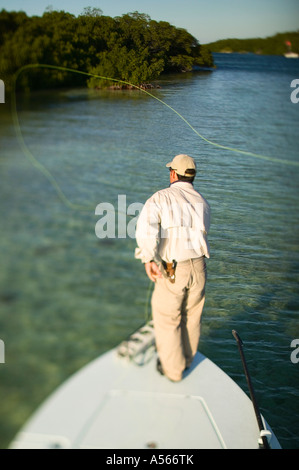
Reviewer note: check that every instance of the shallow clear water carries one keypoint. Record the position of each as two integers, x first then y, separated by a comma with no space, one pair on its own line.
67,296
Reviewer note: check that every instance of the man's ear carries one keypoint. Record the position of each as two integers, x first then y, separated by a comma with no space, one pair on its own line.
173,176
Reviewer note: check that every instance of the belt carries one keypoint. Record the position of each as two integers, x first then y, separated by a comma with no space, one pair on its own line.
171,267
185,261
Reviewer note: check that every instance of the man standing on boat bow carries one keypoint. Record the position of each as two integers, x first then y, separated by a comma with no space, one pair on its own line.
171,236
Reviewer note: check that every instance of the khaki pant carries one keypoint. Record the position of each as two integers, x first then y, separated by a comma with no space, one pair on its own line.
176,310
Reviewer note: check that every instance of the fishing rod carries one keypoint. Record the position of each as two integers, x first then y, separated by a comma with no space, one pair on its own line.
261,426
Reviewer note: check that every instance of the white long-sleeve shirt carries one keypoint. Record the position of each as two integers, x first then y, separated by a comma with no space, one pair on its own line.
173,225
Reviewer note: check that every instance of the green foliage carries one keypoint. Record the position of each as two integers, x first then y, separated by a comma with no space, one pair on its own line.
125,65
131,48
274,45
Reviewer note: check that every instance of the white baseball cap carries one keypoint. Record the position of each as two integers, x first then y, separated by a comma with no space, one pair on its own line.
181,164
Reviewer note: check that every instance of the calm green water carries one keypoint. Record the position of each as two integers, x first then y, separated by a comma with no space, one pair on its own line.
67,296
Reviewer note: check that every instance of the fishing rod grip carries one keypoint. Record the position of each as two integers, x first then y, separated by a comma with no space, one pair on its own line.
251,390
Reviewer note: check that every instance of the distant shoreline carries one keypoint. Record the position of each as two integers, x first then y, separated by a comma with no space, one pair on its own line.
279,44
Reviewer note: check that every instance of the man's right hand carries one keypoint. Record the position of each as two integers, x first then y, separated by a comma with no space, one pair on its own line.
152,271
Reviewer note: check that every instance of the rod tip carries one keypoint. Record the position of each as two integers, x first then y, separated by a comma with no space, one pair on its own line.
236,336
